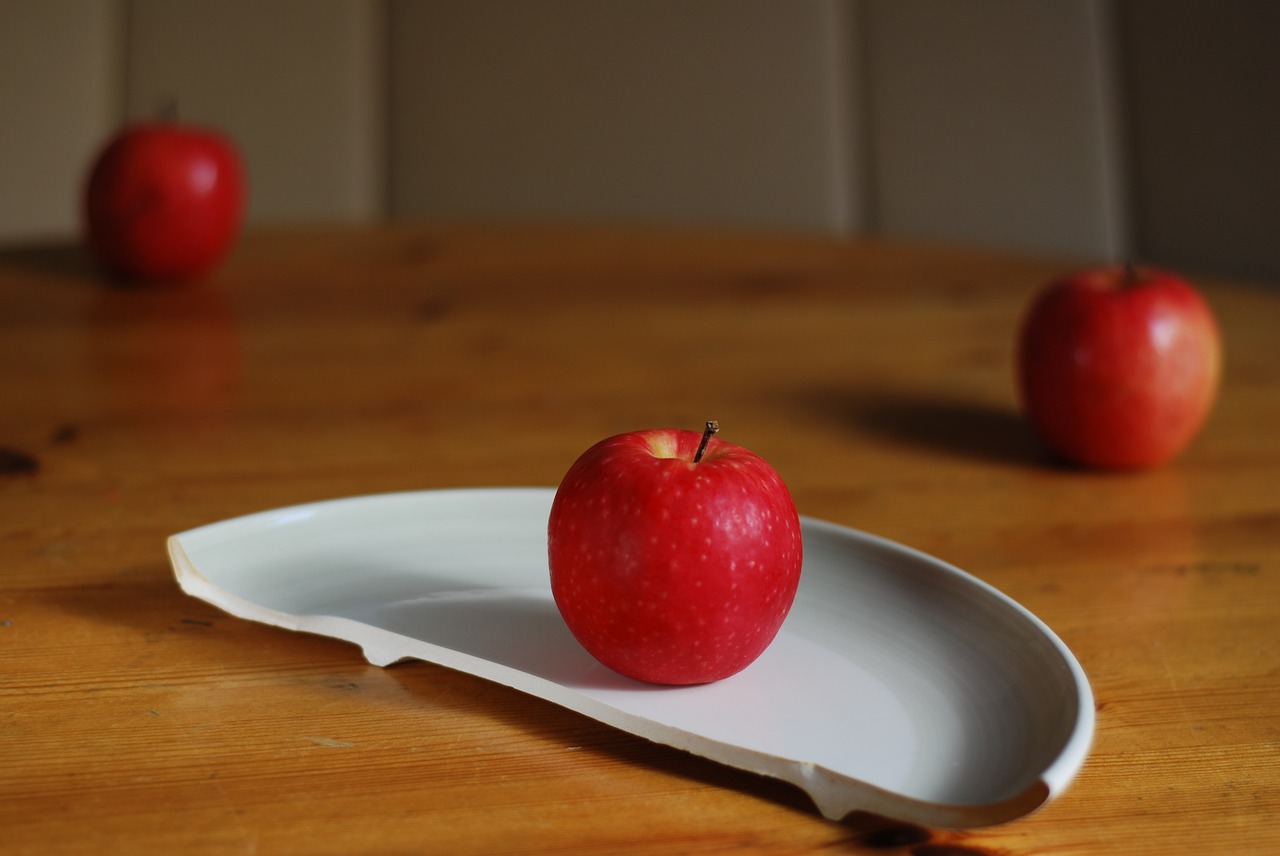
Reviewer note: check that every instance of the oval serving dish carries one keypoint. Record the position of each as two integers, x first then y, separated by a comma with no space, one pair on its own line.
898,684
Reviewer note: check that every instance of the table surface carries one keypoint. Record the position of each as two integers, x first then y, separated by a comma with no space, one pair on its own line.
328,362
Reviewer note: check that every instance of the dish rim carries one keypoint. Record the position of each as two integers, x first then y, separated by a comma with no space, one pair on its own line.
834,794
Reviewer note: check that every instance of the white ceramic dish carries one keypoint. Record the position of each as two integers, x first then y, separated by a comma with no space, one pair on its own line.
898,685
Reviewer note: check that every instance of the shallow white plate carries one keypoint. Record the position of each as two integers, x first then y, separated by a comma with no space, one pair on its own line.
898,685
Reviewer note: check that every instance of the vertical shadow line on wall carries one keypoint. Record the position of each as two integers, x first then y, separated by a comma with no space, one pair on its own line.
846,126
1112,103
864,184
122,49
387,119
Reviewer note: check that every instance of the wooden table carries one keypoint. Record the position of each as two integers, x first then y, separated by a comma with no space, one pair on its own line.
330,362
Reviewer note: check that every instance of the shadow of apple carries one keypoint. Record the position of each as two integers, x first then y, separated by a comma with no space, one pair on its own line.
63,260
972,429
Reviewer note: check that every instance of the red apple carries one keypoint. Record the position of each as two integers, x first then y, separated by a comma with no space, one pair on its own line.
674,557
164,201
1118,367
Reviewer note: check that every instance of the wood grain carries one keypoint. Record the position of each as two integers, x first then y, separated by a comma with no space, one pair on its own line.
328,362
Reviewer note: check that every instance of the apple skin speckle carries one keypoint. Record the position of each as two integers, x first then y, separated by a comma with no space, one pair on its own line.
670,571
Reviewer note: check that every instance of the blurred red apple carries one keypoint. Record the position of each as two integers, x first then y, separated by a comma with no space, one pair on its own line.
1118,367
674,556
164,201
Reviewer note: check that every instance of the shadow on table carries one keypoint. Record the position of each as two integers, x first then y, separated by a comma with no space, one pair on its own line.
66,259
965,428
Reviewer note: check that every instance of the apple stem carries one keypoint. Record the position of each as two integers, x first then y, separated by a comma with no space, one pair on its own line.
712,427
168,111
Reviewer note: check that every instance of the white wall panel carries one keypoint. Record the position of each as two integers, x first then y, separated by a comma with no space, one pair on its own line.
725,111
59,96
298,83
990,123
